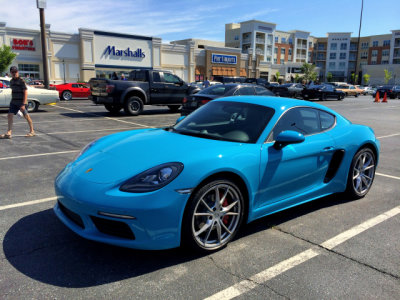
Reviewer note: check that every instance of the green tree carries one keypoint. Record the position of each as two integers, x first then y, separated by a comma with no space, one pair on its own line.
277,75
309,72
352,78
6,57
366,78
297,78
329,77
388,76
356,79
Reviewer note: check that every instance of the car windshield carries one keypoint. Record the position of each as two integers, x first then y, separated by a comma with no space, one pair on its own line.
227,121
217,90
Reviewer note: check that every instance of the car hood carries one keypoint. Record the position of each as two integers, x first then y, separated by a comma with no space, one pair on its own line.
118,159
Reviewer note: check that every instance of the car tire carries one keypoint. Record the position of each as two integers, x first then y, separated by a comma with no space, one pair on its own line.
33,106
356,95
174,108
207,224
114,109
361,174
133,106
66,95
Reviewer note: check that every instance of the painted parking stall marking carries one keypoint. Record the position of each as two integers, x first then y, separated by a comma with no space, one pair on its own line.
4,207
262,277
40,154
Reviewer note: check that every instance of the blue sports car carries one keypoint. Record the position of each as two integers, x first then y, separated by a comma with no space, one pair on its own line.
230,162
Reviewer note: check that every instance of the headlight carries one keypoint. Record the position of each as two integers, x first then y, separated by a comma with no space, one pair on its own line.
86,148
153,179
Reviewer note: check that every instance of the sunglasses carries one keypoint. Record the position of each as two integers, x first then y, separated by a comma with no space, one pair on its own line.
14,72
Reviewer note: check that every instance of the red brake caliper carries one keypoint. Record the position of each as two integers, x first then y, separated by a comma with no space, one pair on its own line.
226,218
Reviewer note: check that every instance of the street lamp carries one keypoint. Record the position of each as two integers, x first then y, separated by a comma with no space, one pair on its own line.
64,68
41,5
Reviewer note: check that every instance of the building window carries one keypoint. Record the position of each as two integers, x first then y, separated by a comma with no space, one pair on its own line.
333,46
275,60
332,65
385,62
320,56
268,58
275,50
332,56
352,56
282,61
386,43
343,55
290,41
276,39
290,51
364,45
342,65
353,46
309,44
364,55
283,51
385,52
352,65
374,53
343,46
320,64
321,46
283,40
375,44
236,37
373,62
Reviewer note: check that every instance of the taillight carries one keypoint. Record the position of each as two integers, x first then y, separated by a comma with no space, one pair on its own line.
109,88
204,101
390,91
184,100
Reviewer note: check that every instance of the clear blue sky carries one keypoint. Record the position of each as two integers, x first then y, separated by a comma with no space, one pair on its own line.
179,19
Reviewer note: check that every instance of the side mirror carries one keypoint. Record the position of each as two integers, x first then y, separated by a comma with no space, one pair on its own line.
288,137
180,119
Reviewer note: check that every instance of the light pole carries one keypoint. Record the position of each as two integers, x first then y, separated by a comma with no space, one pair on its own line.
64,68
41,4
358,42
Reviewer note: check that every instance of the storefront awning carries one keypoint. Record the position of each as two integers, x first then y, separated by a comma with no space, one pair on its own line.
223,71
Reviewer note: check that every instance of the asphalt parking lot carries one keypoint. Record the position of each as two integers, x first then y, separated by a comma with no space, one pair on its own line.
331,248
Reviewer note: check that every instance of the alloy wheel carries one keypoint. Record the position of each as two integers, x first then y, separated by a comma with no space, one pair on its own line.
363,172
216,216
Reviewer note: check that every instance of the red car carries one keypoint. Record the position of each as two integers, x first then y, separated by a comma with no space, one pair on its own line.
68,91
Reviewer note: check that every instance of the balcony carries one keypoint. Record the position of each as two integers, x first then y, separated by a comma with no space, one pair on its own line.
300,56
260,51
246,41
260,41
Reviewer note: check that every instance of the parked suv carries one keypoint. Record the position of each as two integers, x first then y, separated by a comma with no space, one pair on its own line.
392,91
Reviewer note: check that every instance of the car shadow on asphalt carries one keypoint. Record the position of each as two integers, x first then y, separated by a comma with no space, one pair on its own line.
42,248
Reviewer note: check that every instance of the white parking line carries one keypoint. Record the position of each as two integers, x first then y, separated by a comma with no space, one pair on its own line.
4,207
386,136
388,176
83,131
262,277
41,154
117,120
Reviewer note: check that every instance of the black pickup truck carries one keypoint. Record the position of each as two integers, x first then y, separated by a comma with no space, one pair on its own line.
152,87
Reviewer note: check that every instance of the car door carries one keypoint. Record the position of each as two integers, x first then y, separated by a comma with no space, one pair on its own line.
175,88
295,169
75,90
5,93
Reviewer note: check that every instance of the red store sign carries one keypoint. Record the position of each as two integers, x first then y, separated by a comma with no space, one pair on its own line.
20,44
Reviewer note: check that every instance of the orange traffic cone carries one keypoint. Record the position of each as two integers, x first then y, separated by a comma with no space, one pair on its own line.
377,97
384,98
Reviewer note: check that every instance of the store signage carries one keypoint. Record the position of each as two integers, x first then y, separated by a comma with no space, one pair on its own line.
339,39
21,44
110,50
224,59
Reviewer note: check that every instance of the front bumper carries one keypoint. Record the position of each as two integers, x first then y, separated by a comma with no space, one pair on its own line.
100,212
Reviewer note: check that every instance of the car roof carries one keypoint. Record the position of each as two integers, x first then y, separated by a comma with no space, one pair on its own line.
277,103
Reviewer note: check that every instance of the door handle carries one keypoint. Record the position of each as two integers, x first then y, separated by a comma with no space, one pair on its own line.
327,149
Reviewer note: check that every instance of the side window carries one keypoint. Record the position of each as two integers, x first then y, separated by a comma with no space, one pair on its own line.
327,120
300,119
247,90
170,78
75,85
156,77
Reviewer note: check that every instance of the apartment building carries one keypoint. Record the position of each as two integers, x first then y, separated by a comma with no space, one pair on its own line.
274,47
